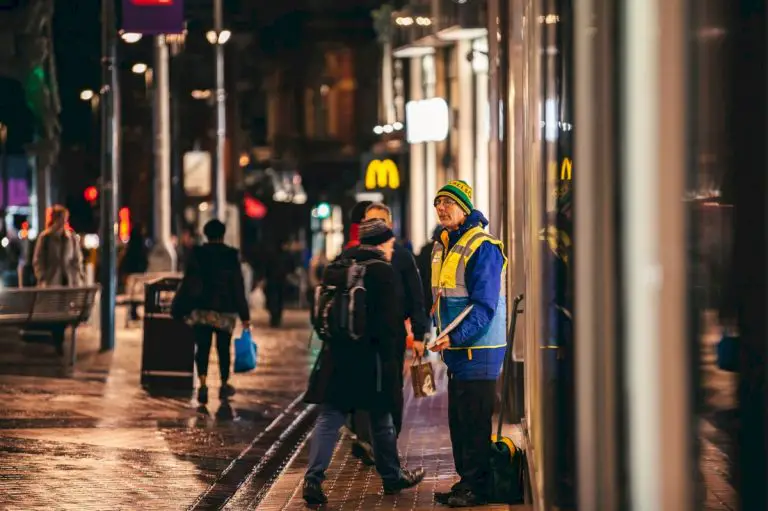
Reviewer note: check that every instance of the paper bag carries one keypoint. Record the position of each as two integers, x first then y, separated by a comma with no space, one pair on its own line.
423,378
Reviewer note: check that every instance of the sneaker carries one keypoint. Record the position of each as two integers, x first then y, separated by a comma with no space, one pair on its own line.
364,453
466,498
226,391
202,395
313,494
409,479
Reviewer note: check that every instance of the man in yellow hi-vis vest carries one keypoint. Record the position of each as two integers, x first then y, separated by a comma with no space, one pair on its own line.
468,266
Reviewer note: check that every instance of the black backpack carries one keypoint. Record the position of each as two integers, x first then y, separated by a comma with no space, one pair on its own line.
339,313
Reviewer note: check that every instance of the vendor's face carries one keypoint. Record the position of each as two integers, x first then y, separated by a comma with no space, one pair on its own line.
450,215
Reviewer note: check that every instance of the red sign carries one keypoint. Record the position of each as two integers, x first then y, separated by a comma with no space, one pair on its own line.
152,2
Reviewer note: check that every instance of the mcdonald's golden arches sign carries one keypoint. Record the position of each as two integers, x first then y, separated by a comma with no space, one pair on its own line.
382,174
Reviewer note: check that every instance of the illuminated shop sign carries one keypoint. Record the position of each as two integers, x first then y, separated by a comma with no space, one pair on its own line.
427,120
382,174
566,170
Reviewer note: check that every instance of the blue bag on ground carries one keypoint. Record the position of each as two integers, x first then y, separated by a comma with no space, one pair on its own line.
245,353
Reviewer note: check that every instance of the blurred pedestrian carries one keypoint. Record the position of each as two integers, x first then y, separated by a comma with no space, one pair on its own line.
216,296
135,260
279,265
58,261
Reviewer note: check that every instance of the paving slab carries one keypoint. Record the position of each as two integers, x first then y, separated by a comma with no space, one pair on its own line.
93,438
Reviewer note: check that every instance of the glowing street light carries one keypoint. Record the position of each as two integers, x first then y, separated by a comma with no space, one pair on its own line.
220,38
139,68
201,94
130,37
86,95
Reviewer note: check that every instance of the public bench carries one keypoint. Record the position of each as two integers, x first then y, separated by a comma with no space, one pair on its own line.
134,290
45,307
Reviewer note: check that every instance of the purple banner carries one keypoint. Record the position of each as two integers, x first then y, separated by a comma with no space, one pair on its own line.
153,17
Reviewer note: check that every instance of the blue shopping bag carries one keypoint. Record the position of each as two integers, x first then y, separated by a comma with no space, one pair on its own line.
245,353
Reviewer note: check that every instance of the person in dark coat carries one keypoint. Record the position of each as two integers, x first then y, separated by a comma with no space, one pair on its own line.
217,302
362,374
279,266
424,264
409,293
135,260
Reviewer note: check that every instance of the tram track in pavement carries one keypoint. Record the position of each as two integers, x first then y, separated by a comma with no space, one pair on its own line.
252,472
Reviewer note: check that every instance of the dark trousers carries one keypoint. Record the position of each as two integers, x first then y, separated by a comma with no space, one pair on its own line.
470,418
203,339
361,422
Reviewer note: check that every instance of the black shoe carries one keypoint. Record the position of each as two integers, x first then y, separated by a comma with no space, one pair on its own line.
226,391
442,497
364,453
409,479
202,395
313,494
466,498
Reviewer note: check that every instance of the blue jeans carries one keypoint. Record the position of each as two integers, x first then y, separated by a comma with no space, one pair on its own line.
326,434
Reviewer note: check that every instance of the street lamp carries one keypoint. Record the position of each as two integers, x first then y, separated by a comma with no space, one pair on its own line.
218,37
201,94
139,68
130,37
86,95
221,38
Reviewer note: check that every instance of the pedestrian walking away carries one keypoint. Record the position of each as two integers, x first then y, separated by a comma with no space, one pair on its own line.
211,299
357,368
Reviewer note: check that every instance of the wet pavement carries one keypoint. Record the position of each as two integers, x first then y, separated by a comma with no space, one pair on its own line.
92,438
718,426
424,442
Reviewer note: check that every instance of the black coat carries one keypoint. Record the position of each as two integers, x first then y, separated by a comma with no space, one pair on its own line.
215,280
408,291
364,374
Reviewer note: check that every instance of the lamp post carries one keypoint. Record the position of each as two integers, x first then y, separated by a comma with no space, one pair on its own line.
4,165
110,163
177,177
218,37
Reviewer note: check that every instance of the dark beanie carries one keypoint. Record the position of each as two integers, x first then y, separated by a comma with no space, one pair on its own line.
375,232
358,212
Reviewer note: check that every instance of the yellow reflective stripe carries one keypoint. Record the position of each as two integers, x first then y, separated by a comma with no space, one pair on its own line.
477,347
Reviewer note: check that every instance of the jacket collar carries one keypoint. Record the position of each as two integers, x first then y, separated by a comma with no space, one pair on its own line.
366,253
474,219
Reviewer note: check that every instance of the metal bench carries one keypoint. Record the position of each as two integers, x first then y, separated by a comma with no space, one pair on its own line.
28,308
134,289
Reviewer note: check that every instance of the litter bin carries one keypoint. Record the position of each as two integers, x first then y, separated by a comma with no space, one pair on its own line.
167,359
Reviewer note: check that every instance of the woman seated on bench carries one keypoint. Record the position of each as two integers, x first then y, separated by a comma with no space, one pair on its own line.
58,260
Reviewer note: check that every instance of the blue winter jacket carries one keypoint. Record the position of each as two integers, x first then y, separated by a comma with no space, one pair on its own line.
483,277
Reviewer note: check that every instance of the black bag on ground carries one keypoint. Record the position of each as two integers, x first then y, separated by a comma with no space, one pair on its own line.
508,463
339,313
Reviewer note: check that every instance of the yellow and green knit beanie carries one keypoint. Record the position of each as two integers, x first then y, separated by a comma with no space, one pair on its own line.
461,192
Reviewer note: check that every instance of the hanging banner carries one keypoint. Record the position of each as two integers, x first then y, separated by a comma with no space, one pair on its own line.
153,17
